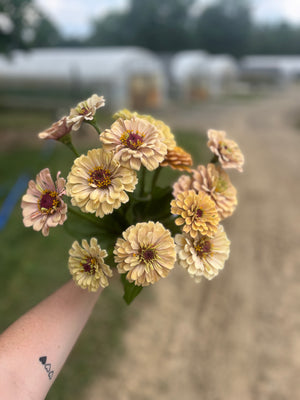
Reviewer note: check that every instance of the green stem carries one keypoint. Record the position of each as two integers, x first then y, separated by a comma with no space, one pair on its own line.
81,215
142,181
93,123
155,177
66,140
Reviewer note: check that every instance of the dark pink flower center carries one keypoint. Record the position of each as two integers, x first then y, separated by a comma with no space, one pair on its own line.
89,266
100,177
132,140
203,247
199,213
147,255
49,202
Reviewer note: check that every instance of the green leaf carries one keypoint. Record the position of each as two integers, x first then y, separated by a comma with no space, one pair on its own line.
130,289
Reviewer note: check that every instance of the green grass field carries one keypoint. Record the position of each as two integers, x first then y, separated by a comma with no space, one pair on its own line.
33,266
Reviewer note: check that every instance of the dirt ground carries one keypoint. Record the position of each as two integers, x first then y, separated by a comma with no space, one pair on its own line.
236,337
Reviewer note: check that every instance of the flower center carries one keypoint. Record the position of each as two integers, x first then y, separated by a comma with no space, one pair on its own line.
147,255
221,185
199,213
83,109
49,202
203,248
89,265
100,177
223,147
132,140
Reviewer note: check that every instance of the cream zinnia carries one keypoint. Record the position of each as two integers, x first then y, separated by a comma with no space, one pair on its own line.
203,256
98,183
85,110
135,142
146,253
87,266
42,204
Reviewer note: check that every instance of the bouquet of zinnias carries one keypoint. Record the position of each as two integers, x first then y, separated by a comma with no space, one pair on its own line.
111,201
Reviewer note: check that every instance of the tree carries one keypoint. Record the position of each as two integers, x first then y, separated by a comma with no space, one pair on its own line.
159,25
224,28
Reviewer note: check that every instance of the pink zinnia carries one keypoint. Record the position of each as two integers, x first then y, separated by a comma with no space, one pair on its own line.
42,204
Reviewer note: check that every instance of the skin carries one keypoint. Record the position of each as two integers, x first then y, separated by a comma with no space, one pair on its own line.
50,330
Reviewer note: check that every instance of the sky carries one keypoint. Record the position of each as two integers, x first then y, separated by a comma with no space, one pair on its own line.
73,17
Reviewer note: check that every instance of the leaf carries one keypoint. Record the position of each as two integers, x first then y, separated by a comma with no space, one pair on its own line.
130,289
159,206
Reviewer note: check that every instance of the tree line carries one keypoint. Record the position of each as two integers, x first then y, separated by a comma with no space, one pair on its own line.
225,26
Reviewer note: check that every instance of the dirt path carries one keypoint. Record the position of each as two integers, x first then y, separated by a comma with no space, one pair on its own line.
236,337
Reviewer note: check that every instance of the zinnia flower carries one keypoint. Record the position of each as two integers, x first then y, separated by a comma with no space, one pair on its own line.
56,130
203,255
228,152
183,183
97,183
215,182
42,204
85,110
135,142
164,130
87,266
197,212
146,253
178,159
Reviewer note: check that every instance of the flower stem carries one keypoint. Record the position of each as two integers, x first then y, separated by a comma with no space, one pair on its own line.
66,140
214,160
142,181
93,123
155,177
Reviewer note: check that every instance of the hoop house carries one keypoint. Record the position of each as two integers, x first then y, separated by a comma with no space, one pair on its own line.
126,76
223,74
190,75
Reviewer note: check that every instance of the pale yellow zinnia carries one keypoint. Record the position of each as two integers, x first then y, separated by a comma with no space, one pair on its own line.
135,142
97,183
87,267
203,256
196,212
227,151
146,253
214,181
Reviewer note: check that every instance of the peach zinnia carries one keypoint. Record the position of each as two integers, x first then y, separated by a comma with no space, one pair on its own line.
85,111
146,253
215,182
42,204
227,151
87,266
98,183
197,212
178,159
56,130
203,256
164,130
135,142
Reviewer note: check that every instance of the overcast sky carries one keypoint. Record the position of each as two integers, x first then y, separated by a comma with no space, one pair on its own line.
73,16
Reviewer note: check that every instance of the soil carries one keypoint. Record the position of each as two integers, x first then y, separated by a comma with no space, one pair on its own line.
237,336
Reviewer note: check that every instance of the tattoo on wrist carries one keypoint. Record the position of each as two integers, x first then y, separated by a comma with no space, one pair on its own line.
47,366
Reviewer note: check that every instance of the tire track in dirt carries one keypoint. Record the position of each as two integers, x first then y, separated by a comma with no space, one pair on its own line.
236,337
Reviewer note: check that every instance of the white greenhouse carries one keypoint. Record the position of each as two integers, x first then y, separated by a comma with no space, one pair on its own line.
190,75
127,76
198,75
273,69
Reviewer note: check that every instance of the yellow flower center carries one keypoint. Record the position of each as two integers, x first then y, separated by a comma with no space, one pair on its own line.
224,148
132,140
222,185
203,248
100,177
49,202
89,265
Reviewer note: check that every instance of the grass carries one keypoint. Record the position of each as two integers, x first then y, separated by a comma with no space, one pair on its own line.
32,266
